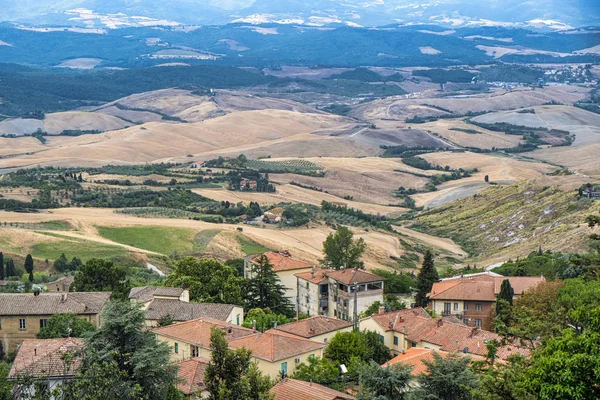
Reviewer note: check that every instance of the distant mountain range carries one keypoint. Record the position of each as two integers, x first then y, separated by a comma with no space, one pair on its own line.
549,14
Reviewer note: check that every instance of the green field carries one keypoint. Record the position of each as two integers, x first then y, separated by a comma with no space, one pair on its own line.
203,238
75,248
251,247
158,239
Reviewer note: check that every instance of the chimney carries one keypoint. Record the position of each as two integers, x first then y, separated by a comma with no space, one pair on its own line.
63,297
381,309
35,351
440,322
254,324
312,274
473,331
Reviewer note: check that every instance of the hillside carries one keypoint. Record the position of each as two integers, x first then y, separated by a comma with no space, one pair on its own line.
507,222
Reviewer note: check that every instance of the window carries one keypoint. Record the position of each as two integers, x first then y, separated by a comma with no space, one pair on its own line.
43,323
375,286
284,369
22,324
344,317
447,308
312,356
237,320
176,348
466,306
382,338
478,307
466,321
455,306
345,303
297,360
413,345
478,323
307,285
395,340
195,351
0,324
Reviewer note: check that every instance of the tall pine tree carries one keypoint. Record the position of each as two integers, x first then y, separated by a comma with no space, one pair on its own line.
504,301
425,280
2,276
506,292
264,289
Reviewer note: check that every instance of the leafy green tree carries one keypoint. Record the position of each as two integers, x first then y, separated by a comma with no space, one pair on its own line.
237,264
264,319
231,374
425,280
29,266
61,264
208,281
264,289
396,282
391,303
355,348
446,378
389,383
127,356
1,266
98,275
65,325
505,382
568,366
319,370
75,264
6,386
342,251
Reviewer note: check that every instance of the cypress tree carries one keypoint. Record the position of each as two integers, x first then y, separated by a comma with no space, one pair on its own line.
506,292
10,268
425,280
266,291
29,264
1,266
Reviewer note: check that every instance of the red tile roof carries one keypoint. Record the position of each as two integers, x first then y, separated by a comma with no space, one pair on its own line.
314,326
274,345
191,375
283,261
47,358
292,389
317,277
197,331
480,287
417,326
350,276
416,356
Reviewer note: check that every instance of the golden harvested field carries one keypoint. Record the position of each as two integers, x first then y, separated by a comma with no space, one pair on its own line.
485,140
499,169
583,159
584,124
399,107
166,101
306,243
157,141
130,115
293,194
55,123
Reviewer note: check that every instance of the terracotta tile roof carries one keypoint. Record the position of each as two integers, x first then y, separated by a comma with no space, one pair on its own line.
480,287
317,277
275,345
407,320
520,284
183,311
53,303
191,375
417,326
292,389
283,261
67,280
47,358
197,331
415,357
349,276
314,326
144,294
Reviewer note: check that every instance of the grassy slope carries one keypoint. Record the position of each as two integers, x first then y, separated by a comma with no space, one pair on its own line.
75,248
159,239
251,247
505,222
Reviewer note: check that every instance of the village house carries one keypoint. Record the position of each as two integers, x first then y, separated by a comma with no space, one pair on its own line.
319,328
415,357
333,292
274,216
22,315
472,298
47,362
284,265
248,184
190,375
191,339
61,284
293,389
277,353
162,303
405,329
